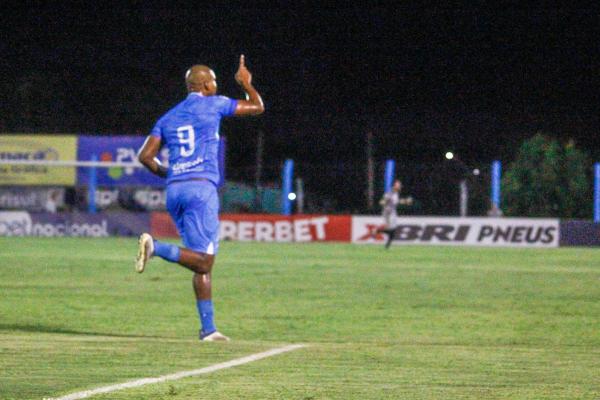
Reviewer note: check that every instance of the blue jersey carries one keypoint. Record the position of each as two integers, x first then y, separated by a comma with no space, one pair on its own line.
190,130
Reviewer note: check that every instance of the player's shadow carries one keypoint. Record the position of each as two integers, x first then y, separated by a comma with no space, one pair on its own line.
66,331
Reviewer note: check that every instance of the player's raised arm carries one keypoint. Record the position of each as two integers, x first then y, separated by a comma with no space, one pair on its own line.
253,105
147,156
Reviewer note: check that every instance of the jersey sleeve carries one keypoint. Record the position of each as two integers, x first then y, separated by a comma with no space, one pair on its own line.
157,130
227,106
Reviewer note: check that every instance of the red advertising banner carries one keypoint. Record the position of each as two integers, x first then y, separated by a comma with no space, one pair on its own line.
269,227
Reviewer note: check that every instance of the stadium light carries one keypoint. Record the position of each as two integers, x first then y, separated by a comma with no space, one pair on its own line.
449,155
292,196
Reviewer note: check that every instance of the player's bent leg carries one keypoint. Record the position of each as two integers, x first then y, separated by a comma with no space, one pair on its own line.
200,263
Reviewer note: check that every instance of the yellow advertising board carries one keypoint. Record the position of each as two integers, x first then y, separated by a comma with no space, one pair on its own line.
47,147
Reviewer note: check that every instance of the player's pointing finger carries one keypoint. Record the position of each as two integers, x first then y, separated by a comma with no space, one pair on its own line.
242,60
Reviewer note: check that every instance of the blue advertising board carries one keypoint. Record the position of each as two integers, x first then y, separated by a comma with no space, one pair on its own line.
119,149
123,149
22,223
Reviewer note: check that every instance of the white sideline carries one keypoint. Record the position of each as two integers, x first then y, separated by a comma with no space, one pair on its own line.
180,375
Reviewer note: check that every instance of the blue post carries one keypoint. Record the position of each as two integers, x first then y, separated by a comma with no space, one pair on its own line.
286,187
390,166
496,179
92,184
597,192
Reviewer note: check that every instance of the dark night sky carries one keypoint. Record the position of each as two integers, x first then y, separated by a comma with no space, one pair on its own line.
421,81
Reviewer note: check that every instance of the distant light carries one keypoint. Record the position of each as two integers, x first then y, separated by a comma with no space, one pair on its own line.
292,196
449,155
476,172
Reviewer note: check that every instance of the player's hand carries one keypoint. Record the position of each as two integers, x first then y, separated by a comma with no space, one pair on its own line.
243,76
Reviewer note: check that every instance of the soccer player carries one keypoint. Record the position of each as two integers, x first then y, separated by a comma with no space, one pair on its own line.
190,130
389,203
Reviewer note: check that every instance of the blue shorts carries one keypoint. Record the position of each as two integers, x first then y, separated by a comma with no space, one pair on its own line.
194,207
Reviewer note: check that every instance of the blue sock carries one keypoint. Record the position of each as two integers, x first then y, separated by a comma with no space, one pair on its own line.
169,252
205,311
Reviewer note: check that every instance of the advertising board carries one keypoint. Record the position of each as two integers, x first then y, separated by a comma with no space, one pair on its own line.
511,232
37,148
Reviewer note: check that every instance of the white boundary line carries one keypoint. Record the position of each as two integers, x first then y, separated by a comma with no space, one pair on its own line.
180,375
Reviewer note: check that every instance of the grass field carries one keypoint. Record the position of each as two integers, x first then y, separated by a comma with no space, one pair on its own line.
408,323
